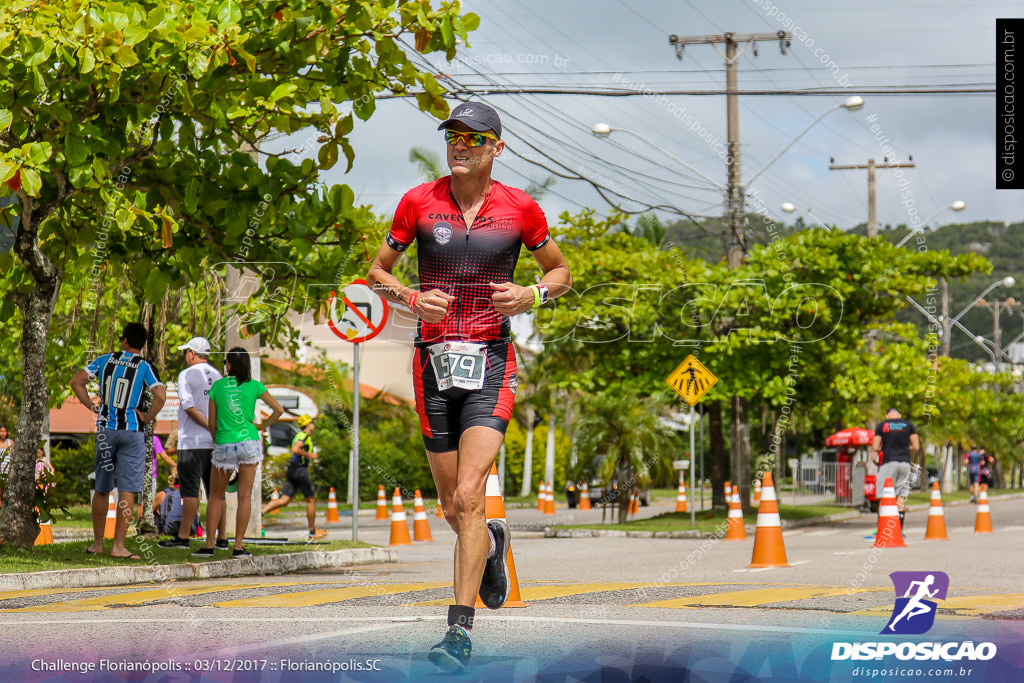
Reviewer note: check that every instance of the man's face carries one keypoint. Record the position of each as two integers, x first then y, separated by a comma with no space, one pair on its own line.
466,161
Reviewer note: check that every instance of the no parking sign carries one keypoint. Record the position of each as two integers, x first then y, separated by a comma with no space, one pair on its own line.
359,314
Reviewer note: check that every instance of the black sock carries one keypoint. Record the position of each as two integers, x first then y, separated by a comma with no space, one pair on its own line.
460,615
902,516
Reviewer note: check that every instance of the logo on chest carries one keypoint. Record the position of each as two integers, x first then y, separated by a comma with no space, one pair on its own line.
442,232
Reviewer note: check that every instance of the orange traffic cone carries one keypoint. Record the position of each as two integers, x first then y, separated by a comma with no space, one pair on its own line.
681,496
274,496
890,533
549,499
757,492
983,522
494,508
399,527
420,525
769,550
45,536
332,507
108,530
382,504
440,512
584,497
736,530
634,502
936,530
728,493
542,497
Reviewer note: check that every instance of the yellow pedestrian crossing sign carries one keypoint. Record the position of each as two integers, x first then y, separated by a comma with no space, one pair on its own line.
691,380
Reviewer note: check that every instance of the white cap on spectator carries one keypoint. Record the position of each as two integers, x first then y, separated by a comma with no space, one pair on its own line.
198,344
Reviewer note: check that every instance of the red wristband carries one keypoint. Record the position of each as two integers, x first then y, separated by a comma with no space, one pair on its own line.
412,302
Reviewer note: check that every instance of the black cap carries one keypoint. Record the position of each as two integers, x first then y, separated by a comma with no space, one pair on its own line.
477,115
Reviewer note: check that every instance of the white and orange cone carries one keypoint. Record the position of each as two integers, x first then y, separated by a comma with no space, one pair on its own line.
332,507
890,532
585,497
274,496
634,502
111,522
757,491
983,522
728,492
681,496
45,536
494,508
440,511
542,497
936,530
769,550
382,504
549,499
420,525
735,531
399,527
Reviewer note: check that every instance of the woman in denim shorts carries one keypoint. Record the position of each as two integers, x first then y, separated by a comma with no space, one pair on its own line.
237,443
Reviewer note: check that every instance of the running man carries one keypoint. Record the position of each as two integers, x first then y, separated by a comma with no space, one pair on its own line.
469,230
297,475
896,438
973,460
914,606
120,442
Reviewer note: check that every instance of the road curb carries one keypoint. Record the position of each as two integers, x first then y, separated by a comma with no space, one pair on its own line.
212,569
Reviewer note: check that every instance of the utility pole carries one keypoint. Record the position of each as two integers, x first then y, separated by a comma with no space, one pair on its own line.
947,327
736,44
871,167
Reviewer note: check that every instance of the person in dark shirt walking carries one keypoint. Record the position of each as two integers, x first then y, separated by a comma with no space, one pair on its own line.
895,439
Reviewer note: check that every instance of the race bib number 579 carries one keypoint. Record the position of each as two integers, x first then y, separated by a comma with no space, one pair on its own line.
458,365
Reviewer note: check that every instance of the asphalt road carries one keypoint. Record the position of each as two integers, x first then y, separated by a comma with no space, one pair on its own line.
599,609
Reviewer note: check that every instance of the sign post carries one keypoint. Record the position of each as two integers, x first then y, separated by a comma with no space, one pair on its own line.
363,315
691,380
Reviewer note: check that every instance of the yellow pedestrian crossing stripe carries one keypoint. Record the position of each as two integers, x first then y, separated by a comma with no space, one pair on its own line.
239,596
962,606
172,590
324,597
759,597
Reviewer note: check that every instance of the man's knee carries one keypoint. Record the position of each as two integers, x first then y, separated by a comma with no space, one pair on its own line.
468,502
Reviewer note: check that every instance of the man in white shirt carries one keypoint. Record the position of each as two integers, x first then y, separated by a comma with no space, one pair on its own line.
195,445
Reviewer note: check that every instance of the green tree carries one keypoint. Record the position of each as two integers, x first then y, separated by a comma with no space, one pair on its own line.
115,116
629,440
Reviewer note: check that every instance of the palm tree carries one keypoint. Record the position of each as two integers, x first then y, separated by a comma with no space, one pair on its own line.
429,163
629,438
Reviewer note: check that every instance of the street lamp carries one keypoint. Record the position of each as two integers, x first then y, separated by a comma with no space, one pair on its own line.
997,333
1007,281
603,130
789,207
955,206
983,343
852,103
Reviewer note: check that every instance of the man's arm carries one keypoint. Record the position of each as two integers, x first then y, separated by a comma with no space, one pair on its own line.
159,397
79,386
431,306
198,417
299,447
511,299
915,443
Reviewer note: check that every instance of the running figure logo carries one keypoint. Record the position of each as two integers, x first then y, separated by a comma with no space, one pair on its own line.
914,613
